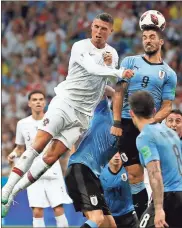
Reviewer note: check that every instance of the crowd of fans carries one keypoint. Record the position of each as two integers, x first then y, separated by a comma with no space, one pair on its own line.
37,38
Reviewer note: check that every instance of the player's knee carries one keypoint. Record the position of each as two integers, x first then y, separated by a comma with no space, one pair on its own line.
41,140
59,210
37,212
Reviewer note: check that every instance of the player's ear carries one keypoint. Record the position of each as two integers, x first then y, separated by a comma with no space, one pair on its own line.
161,42
131,113
154,111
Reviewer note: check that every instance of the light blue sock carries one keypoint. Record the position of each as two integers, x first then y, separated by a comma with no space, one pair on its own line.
91,224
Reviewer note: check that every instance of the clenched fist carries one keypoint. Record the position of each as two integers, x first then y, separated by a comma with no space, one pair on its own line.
128,74
107,56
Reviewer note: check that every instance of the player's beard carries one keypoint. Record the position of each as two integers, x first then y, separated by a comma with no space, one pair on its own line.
151,52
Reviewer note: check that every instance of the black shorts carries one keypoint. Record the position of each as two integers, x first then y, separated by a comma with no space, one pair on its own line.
85,189
128,220
172,208
140,202
127,143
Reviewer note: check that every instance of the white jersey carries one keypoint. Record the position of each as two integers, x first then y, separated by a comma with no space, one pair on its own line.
25,133
87,76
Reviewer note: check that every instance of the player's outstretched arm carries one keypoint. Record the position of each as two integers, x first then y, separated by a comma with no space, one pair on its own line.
87,62
164,111
118,97
156,182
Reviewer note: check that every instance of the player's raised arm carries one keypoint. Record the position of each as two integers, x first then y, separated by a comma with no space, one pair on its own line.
168,95
117,107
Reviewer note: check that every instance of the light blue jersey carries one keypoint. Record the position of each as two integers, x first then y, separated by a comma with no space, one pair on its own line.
158,79
158,142
98,146
117,191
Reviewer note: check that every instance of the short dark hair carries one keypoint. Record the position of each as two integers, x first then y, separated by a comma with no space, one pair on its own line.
176,111
154,28
105,17
35,92
142,104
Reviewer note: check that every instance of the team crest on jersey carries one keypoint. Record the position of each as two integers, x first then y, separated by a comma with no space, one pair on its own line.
94,200
124,177
161,74
45,121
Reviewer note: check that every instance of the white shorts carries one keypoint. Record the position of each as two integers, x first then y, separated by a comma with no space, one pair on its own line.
63,122
47,193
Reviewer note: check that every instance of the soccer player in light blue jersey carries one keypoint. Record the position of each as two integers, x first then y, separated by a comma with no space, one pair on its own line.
160,152
94,151
117,193
152,74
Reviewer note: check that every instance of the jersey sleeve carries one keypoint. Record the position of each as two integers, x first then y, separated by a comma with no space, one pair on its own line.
19,137
125,64
169,88
147,149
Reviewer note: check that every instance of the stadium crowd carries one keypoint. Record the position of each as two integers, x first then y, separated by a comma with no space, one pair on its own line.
36,42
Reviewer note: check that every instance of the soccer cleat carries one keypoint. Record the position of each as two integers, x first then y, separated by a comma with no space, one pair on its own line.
4,210
5,207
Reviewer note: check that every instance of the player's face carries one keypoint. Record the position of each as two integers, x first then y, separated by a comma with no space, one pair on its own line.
37,102
116,159
100,32
173,121
151,42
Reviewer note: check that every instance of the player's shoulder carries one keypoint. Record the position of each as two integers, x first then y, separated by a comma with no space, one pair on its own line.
146,132
82,43
169,70
25,120
132,59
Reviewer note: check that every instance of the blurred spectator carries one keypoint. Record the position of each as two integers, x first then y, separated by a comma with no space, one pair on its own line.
37,38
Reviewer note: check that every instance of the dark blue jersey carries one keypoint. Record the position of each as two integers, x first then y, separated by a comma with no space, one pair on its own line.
98,145
117,191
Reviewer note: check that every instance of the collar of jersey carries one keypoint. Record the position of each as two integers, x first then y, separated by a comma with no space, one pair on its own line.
150,62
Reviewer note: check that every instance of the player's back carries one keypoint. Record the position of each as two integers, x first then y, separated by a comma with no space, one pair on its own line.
163,144
82,89
97,146
117,191
159,79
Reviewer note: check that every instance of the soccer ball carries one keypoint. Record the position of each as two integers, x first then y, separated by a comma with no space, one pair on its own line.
152,18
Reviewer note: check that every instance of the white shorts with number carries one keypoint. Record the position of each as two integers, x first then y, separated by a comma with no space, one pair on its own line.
63,122
48,193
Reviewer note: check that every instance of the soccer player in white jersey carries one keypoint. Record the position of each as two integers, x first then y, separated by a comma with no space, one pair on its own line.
70,110
50,189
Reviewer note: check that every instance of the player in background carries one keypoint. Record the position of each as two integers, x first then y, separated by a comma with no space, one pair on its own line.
160,152
50,189
174,121
95,150
152,74
117,193
69,112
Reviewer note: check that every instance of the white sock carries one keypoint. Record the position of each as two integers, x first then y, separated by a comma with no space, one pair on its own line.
61,221
38,168
17,172
38,222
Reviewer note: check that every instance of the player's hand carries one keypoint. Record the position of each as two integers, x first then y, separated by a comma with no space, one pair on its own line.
107,56
116,131
12,156
128,74
159,219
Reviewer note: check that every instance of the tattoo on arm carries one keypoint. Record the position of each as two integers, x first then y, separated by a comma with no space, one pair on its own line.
118,99
156,182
